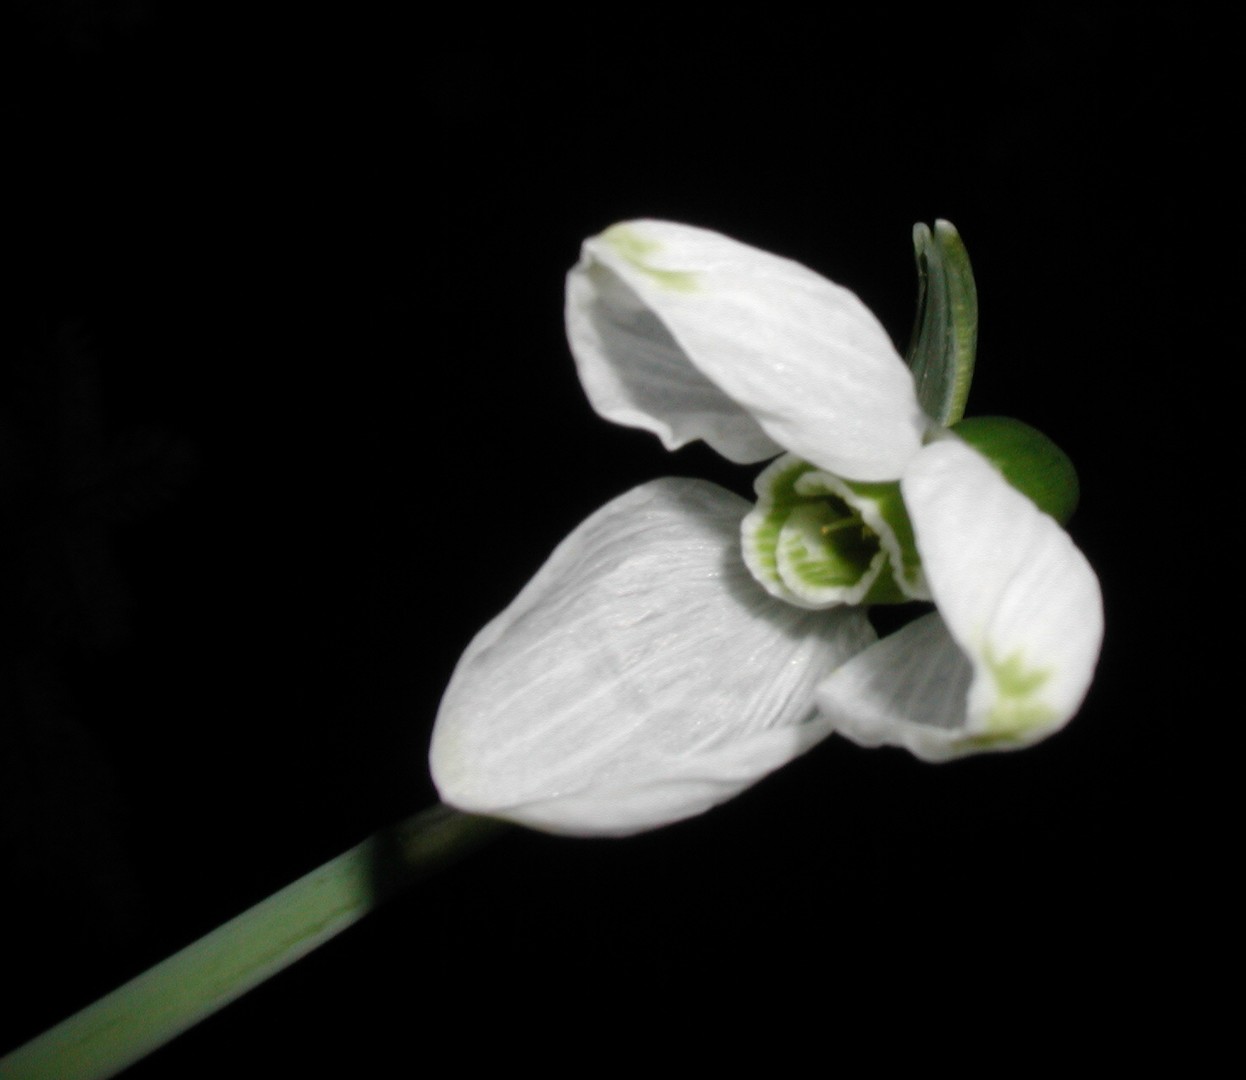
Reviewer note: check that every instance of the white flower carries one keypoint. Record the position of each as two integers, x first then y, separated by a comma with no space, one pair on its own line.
645,675
1009,655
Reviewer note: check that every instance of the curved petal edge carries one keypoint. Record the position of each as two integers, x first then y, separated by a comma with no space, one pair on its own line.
1011,653
639,678
690,334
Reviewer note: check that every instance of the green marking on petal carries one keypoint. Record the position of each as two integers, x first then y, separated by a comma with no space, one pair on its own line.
1017,708
761,535
635,249
776,498
891,521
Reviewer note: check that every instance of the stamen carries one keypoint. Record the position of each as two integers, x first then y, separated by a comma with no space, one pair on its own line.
845,523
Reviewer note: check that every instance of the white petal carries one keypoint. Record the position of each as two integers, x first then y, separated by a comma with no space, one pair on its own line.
637,375
642,676
1012,652
909,690
689,334
1017,595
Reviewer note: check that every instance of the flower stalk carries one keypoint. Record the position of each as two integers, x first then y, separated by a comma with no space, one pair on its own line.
174,995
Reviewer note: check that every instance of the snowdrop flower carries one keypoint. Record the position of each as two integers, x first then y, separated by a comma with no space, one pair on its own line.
680,645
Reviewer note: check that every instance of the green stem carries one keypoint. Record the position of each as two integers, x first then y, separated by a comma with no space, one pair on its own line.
158,1005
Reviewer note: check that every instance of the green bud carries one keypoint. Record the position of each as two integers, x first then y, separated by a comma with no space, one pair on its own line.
1029,461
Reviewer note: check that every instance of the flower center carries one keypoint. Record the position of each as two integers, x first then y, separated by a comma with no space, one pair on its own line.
838,547
816,540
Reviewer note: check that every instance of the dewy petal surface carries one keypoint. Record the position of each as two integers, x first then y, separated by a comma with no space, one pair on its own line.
690,334
1017,600
642,676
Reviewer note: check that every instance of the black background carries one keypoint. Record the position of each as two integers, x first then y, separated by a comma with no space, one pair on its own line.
283,357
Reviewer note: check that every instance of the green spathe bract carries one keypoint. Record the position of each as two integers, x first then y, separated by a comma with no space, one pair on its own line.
945,331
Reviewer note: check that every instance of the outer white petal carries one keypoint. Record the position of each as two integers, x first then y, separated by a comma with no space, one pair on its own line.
636,374
1011,656
909,690
642,676
692,335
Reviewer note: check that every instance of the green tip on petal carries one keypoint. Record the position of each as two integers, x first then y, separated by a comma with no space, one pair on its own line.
945,333
1019,707
637,249
1030,461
